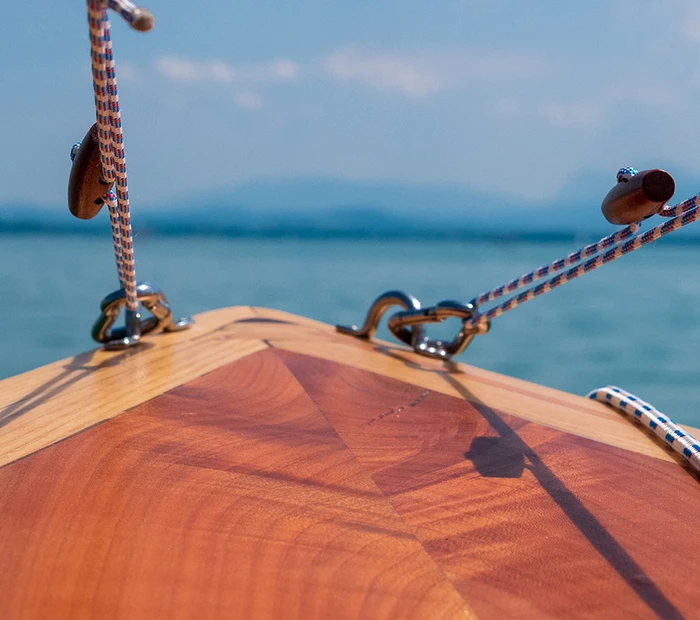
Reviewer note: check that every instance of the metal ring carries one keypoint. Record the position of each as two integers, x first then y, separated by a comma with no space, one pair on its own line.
376,311
436,314
153,300
407,325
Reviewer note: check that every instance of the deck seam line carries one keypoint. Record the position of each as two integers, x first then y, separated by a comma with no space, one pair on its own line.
410,529
413,534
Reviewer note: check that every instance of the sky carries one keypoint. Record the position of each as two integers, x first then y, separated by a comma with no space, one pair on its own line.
504,97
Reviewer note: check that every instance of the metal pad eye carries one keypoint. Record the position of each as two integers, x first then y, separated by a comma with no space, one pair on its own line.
436,314
407,325
152,300
377,310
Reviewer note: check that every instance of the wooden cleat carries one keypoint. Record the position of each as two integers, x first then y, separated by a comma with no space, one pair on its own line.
85,185
143,20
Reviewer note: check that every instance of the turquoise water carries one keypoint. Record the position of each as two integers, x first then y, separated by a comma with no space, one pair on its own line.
633,323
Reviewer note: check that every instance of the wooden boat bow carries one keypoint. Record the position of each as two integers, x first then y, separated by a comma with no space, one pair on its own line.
262,465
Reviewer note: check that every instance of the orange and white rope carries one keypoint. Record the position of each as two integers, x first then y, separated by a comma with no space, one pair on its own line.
111,142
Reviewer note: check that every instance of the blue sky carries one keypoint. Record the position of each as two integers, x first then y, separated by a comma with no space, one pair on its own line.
501,96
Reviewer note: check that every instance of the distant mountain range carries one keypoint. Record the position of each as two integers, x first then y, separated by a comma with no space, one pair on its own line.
320,207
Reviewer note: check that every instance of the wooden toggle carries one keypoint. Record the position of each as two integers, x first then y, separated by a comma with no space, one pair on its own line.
143,20
638,197
85,185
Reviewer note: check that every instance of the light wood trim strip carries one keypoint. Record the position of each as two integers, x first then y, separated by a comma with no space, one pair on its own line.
55,401
43,406
560,410
231,496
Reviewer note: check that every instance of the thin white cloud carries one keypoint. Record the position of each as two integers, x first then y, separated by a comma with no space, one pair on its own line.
125,70
691,30
384,72
580,114
507,108
248,101
427,73
185,70
595,111
682,15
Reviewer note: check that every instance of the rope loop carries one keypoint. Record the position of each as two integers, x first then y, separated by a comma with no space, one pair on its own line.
626,173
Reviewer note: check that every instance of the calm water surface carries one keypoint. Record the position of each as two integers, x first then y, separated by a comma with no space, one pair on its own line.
633,323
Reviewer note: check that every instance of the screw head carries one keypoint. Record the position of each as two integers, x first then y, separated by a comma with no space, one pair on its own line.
74,150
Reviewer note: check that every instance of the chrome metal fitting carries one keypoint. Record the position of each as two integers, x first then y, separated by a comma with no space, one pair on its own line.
150,298
407,325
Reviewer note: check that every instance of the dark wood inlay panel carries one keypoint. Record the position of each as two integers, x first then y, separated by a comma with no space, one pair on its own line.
229,497
526,520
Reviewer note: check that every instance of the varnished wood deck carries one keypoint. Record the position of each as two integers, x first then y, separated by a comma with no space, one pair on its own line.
261,465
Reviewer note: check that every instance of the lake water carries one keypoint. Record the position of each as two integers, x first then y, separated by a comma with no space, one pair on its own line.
633,323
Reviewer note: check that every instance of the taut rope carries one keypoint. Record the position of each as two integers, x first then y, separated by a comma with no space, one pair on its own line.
637,196
98,176
632,201
585,259
111,139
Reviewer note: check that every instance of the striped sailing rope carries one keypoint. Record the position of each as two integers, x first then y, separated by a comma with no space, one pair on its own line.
557,265
584,260
126,9
111,139
678,439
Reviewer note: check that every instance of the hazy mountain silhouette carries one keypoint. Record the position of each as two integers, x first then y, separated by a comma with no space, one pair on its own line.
334,207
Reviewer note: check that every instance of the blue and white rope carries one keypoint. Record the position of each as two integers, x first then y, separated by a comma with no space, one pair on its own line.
675,436
626,173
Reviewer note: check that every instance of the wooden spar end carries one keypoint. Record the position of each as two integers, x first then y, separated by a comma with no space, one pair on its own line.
638,197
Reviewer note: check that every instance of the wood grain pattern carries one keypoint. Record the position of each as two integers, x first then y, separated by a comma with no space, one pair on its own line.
293,472
526,520
43,406
229,497
51,403
567,412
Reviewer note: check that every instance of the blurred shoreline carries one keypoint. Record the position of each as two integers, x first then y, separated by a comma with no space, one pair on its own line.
31,229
